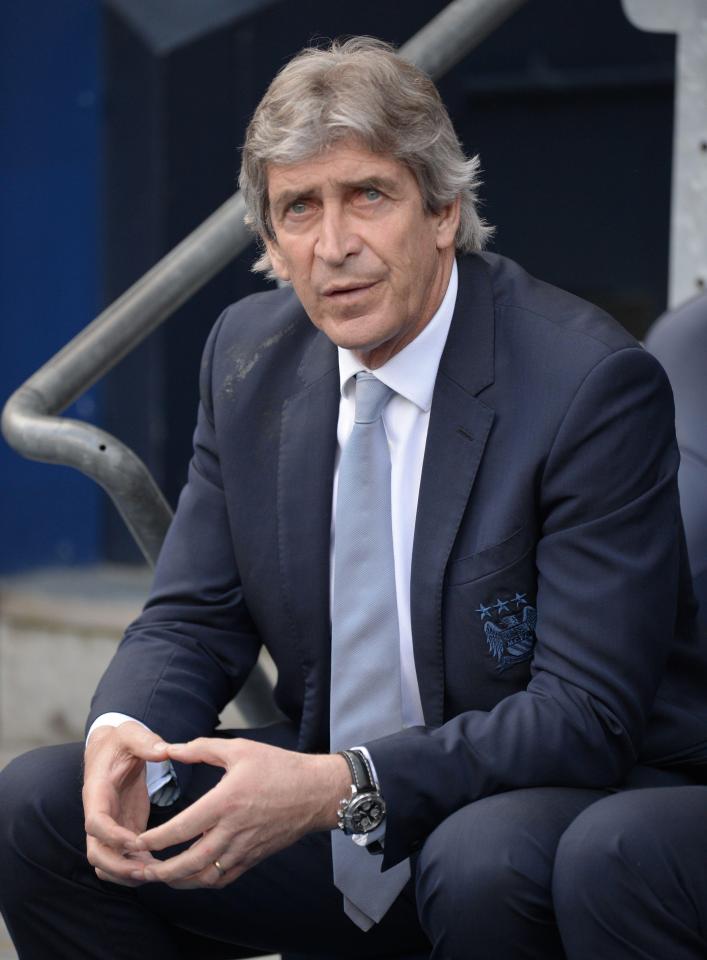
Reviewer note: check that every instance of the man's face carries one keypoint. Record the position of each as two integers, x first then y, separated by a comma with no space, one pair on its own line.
368,263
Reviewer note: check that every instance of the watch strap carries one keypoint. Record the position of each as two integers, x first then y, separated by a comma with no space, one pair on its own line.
361,773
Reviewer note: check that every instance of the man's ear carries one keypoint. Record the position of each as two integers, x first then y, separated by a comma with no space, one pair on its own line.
276,259
448,224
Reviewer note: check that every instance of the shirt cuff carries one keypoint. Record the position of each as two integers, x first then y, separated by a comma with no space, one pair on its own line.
376,836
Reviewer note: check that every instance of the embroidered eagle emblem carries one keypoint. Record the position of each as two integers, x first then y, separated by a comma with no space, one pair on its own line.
512,640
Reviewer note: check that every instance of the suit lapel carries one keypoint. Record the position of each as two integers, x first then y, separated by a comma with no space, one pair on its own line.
305,472
458,430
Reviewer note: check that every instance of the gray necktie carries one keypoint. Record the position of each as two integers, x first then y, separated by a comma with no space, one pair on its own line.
365,650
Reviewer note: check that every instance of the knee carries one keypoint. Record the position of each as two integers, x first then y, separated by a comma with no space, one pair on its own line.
608,870
18,784
587,868
630,870
481,868
466,863
39,791
625,840
588,854
602,843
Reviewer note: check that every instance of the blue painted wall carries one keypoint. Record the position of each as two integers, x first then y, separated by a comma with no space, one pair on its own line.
50,116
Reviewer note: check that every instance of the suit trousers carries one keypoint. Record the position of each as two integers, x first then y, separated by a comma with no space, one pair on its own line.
481,885
631,877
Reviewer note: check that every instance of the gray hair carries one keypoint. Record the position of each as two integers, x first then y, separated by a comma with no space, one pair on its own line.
361,89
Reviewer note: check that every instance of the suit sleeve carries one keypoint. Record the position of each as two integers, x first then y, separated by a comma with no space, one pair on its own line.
607,562
194,644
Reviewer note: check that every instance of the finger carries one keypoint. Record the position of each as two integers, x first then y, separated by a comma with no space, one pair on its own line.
141,742
213,878
107,745
98,821
111,834
109,878
209,878
198,857
191,823
212,750
113,866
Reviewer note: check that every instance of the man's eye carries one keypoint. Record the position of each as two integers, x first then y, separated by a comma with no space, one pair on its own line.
372,194
299,206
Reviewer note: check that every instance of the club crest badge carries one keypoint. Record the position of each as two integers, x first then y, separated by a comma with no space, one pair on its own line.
509,627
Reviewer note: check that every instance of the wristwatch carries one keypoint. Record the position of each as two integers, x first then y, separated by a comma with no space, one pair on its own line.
364,810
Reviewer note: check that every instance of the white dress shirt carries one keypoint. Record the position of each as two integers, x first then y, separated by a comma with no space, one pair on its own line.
411,374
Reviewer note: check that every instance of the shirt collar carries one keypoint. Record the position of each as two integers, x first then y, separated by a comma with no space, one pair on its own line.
411,372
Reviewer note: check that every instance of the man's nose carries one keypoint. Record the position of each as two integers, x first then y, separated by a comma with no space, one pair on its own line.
337,237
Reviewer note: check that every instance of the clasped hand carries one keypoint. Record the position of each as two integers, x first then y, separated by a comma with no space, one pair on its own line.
267,799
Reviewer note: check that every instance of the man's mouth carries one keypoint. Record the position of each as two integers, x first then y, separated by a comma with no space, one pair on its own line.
341,291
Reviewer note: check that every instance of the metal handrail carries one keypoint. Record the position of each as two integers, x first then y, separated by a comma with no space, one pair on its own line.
30,421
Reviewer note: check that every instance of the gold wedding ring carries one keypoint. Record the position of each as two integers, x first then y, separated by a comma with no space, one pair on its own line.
221,871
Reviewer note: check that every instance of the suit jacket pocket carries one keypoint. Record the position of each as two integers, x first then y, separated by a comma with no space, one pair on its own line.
491,559
489,623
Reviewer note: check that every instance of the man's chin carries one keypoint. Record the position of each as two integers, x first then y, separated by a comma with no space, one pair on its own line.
354,330
359,345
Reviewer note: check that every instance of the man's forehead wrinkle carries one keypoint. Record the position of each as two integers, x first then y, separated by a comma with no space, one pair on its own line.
337,155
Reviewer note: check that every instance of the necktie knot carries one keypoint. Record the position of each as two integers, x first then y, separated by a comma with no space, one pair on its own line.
371,397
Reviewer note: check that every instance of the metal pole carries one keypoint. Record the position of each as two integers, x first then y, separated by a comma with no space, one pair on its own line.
29,420
456,30
135,314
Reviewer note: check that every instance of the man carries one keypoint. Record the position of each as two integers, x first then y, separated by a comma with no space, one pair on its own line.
631,872
471,580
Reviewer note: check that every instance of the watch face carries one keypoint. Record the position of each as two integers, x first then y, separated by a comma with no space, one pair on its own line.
366,812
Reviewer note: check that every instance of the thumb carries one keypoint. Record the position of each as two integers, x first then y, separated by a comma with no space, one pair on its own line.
142,742
212,750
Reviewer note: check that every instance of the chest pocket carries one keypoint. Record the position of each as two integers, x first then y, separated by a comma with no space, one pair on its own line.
492,559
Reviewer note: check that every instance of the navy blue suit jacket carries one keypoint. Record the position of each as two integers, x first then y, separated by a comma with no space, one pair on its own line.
552,618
